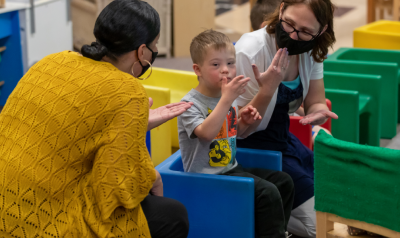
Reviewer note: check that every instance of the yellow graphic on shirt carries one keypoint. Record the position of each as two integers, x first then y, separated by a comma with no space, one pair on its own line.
220,153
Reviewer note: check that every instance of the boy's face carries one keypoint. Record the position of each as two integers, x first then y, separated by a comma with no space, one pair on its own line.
216,65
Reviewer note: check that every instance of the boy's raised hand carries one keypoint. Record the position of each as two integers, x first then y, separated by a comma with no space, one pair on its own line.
231,90
249,115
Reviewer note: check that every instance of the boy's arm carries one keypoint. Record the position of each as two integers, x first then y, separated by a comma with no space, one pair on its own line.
242,127
210,127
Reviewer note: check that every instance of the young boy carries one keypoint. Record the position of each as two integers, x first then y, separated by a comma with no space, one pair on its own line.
208,130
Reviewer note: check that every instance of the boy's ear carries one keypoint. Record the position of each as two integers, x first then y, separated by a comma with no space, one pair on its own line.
196,69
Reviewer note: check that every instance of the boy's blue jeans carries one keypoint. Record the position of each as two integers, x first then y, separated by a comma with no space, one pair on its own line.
274,194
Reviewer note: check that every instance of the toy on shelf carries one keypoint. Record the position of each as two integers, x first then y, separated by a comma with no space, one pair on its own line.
364,124
217,205
378,35
356,185
345,61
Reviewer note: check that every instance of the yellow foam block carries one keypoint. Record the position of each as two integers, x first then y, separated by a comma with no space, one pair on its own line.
160,136
179,83
378,35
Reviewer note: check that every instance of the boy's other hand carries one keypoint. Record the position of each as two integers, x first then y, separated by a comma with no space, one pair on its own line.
249,115
231,90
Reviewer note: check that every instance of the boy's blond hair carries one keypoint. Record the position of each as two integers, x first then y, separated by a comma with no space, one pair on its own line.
203,41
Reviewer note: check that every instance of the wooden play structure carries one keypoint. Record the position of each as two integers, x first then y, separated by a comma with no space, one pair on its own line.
376,9
332,226
2,3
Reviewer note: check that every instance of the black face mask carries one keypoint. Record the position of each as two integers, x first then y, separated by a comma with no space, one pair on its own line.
153,57
294,47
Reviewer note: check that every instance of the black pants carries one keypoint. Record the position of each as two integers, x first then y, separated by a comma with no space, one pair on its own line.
274,193
167,218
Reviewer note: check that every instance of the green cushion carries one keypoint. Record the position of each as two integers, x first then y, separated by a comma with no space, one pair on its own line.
357,182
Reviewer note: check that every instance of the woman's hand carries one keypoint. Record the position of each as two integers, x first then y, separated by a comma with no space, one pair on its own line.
158,188
318,117
270,79
163,114
249,115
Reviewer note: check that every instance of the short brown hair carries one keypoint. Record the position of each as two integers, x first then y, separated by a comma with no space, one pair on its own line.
261,11
206,39
323,11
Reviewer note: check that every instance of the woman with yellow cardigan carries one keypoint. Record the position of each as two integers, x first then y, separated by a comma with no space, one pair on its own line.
73,158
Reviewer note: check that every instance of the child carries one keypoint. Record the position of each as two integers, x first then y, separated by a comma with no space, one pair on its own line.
261,11
208,130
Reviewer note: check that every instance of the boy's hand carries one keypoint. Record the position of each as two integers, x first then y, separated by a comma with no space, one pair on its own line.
231,90
249,115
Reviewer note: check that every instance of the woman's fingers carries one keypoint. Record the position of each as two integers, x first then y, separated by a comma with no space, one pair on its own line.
283,59
256,72
150,102
320,115
331,115
179,104
275,61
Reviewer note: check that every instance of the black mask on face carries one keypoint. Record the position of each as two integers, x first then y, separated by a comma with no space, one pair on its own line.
294,47
153,57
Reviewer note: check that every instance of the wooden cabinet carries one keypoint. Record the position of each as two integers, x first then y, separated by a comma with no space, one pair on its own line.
191,18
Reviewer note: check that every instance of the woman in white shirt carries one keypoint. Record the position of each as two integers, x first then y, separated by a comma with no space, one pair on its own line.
290,49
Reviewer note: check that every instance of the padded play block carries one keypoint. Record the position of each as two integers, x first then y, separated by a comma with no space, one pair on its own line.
378,35
218,205
368,87
378,57
357,182
179,83
389,87
160,137
345,103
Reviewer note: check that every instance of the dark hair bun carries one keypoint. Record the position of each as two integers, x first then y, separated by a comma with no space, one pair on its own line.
94,51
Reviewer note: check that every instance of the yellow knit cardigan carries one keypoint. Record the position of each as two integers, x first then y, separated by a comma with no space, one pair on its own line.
73,158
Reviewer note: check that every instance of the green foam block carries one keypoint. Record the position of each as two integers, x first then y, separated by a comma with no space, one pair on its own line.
357,182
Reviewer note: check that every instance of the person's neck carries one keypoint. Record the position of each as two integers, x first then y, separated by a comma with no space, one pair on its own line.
209,92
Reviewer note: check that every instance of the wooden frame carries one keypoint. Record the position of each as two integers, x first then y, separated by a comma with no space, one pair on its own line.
371,8
325,227
2,3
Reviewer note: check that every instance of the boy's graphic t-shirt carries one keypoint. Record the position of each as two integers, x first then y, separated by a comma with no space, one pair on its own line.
198,156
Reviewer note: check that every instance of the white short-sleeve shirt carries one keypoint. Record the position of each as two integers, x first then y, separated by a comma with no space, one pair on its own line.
259,48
